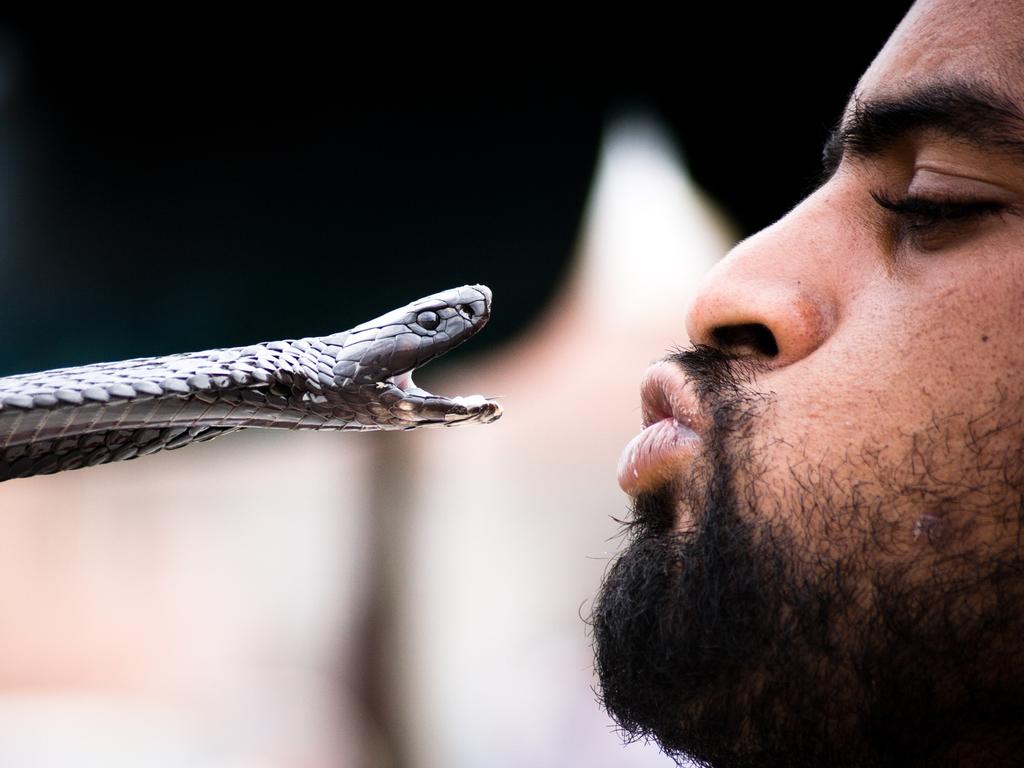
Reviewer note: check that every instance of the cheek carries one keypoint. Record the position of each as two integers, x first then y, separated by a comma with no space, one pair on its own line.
956,318
916,399
945,339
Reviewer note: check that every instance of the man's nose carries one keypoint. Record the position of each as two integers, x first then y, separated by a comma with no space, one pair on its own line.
771,296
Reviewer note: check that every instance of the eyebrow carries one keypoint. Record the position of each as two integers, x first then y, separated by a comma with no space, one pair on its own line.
973,113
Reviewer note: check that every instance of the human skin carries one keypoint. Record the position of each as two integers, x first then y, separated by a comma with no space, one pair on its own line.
873,341
862,466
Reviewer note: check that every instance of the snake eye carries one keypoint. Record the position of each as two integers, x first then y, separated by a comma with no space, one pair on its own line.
428,320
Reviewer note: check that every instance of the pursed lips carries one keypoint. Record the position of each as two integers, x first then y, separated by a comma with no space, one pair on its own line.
673,430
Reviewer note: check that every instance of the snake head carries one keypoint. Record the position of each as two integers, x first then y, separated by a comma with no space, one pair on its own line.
375,362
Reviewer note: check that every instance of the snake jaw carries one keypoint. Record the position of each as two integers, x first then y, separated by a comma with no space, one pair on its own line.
415,407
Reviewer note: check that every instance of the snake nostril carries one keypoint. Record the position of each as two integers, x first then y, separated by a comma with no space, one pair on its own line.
428,320
466,310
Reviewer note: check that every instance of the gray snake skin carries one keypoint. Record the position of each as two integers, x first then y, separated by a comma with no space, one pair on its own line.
358,379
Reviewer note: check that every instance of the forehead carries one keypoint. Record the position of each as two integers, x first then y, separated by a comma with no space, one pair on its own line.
980,41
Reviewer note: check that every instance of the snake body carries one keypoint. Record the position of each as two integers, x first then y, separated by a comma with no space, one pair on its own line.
358,379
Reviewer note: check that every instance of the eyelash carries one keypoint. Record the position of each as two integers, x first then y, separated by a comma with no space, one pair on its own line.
914,218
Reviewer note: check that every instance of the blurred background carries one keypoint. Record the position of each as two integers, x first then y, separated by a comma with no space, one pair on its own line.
393,601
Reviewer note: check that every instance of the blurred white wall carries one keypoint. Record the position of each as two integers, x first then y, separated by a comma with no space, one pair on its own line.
511,523
190,609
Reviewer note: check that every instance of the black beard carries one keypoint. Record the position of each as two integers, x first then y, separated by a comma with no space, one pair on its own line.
731,644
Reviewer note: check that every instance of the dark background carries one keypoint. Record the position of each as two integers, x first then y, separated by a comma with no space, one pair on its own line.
172,190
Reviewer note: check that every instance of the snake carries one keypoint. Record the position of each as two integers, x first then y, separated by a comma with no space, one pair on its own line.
354,380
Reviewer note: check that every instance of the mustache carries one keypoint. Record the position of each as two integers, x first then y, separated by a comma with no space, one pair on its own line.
716,375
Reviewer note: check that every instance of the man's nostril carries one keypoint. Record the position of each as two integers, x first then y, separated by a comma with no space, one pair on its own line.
750,338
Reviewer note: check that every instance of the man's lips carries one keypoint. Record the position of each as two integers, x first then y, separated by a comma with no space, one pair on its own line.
672,434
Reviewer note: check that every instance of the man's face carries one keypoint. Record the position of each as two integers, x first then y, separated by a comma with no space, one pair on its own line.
830,571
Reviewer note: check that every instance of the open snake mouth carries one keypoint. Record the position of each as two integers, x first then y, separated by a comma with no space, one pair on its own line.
385,352
405,383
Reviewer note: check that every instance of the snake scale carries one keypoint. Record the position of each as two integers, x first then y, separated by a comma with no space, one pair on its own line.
360,379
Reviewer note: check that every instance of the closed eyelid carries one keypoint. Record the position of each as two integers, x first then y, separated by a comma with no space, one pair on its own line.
927,181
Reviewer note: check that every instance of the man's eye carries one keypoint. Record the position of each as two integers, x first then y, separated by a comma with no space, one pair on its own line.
928,224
